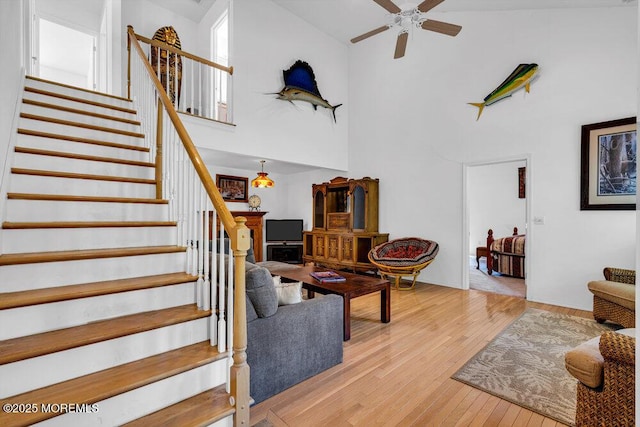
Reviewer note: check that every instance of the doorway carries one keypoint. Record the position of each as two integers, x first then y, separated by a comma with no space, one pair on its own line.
65,41
494,199
66,55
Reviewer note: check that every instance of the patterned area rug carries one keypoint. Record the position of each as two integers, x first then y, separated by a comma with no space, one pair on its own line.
524,364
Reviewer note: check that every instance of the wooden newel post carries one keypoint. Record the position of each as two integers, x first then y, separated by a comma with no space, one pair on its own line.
240,369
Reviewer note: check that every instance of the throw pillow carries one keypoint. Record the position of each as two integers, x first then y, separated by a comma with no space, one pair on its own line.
288,292
260,290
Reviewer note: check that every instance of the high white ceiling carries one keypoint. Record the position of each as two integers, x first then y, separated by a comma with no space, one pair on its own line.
345,19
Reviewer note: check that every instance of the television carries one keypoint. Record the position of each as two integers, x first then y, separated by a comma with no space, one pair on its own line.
283,230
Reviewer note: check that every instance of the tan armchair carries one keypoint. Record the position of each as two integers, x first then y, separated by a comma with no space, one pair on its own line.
614,298
605,368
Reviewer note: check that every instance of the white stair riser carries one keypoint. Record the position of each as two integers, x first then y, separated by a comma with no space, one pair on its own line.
79,105
79,117
63,164
79,132
54,144
65,314
16,241
225,422
77,93
44,210
95,357
144,400
79,187
50,274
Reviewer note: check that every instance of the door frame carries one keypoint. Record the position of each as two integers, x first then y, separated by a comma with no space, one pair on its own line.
31,39
466,216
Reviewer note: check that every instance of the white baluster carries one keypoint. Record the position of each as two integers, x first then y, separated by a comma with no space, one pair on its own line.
222,326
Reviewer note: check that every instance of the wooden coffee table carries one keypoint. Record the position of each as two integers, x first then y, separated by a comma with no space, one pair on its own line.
356,285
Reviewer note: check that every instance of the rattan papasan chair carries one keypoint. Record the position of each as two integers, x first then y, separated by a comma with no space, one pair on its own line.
403,257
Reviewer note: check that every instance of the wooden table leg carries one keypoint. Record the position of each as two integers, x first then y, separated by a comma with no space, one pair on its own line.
385,304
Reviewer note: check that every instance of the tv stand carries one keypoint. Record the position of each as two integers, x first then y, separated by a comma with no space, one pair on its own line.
285,252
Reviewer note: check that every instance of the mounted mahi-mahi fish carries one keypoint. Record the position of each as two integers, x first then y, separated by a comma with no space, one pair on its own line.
521,77
300,85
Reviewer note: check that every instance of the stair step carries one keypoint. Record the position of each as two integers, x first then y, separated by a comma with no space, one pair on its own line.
106,185
16,349
63,137
200,410
71,198
36,207
35,140
108,383
85,224
76,130
86,290
79,100
80,125
68,163
36,151
89,92
82,100
56,174
79,111
39,257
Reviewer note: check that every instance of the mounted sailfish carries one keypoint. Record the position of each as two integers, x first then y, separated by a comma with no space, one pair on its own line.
300,85
521,77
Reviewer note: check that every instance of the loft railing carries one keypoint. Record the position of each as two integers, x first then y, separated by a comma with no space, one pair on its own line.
195,85
184,180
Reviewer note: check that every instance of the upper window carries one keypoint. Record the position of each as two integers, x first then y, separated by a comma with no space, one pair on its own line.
220,55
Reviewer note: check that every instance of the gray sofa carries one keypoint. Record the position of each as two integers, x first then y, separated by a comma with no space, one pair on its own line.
289,343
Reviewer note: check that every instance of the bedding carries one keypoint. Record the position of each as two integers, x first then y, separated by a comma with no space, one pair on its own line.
506,254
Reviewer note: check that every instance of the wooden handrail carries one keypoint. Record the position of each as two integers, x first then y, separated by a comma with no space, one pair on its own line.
175,50
239,236
207,181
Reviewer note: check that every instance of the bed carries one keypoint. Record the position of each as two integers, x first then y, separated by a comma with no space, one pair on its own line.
506,254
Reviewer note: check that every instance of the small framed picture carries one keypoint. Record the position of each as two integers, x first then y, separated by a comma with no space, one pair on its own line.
233,188
608,165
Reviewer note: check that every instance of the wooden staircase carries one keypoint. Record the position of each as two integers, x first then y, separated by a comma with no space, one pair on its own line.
99,324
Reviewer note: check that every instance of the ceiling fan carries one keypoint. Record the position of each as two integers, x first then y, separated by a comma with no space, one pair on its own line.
407,18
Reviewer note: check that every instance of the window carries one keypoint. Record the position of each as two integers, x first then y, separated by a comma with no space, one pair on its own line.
220,55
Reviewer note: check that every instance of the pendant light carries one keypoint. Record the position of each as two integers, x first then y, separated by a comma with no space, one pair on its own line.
262,180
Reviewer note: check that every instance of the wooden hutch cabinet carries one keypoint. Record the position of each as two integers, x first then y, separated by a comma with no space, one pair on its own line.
345,224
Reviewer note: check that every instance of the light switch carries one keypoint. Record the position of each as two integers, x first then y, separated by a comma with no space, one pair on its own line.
538,220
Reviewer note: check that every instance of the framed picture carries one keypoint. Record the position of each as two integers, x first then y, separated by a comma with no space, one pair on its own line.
522,174
608,165
233,188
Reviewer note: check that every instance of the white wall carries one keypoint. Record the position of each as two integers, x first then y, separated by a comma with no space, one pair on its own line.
11,30
411,127
266,40
493,202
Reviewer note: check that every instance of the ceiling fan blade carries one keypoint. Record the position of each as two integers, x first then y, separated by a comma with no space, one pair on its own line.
427,5
401,45
369,34
389,5
441,27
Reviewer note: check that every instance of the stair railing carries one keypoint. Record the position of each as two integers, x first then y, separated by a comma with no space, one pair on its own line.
194,80
197,205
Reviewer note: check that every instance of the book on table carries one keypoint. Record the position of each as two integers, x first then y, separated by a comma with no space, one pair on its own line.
327,276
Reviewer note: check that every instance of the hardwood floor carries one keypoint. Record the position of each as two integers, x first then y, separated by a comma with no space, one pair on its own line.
398,374
480,280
